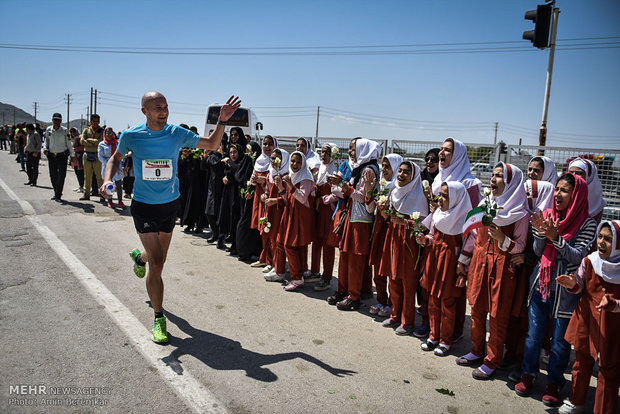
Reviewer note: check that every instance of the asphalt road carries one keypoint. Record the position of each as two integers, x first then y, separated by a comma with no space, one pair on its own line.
76,321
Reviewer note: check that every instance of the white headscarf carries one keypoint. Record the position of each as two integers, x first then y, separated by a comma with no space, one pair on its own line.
283,164
263,161
394,160
325,170
451,221
608,269
312,158
541,193
410,198
550,172
595,189
365,150
304,173
458,170
513,199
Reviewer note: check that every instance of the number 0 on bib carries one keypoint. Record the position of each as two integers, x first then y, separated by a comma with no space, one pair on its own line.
156,170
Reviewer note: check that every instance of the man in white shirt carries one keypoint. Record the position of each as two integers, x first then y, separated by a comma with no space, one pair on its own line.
57,148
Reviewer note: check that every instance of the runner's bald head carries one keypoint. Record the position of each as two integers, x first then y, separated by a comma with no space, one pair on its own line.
151,96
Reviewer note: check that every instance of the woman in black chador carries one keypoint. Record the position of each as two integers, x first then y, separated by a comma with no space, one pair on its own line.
214,166
231,197
249,242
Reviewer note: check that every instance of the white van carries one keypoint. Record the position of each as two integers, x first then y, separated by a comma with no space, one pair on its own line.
245,118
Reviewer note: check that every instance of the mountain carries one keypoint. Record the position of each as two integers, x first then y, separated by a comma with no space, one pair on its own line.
10,114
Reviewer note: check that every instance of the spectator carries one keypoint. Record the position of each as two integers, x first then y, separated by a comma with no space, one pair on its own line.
432,165
105,150
129,174
20,142
91,137
33,154
78,166
57,148
3,137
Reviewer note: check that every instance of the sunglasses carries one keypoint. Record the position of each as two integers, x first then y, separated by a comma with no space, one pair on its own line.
234,135
431,159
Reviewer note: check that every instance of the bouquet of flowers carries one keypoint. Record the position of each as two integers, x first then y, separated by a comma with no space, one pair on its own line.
266,223
197,153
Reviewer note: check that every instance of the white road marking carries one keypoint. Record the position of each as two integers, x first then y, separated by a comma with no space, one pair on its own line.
197,397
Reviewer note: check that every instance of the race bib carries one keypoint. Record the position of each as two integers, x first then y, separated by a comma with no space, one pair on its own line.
156,170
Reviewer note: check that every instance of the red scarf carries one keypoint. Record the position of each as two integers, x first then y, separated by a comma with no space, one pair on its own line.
111,142
576,215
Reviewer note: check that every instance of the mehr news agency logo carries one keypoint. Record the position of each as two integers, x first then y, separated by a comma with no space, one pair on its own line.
45,395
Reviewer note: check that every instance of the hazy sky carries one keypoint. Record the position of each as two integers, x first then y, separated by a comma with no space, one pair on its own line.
380,93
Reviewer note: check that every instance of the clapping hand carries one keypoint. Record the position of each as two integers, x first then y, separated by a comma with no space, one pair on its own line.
568,281
229,108
547,226
369,180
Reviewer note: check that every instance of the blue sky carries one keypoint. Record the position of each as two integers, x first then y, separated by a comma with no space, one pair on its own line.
399,96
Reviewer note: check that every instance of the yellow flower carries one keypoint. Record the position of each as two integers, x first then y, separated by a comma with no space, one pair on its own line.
416,215
248,148
334,151
425,184
487,191
383,182
383,199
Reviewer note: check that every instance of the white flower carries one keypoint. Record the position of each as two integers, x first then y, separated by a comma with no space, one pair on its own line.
266,229
425,184
487,191
248,148
383,199
249,183
416,215
383,182
268,224
334,151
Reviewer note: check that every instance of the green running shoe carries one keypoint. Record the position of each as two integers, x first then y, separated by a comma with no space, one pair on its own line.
160,334
140,271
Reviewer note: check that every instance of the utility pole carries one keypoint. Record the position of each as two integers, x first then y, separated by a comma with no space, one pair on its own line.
82,121
542,136
36,104
13,117
68,103
95,110
316,135
495,139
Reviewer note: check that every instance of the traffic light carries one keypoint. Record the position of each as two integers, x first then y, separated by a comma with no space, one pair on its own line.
542,25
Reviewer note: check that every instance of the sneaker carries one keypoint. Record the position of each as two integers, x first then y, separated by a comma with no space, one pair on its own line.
421,331
121,204
524,386
110,204
374,309
294,285
84,197
347,304
322,285
274,277
428,345
307,273
569,408
404,330
312,278
551,397
258,263
267,269
139,270
390,323
160,334
386,311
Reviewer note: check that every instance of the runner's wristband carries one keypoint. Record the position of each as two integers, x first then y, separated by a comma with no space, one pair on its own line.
220,122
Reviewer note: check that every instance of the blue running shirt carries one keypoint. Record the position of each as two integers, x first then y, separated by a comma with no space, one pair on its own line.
155,158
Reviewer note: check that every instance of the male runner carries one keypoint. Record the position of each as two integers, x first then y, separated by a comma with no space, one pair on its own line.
155,147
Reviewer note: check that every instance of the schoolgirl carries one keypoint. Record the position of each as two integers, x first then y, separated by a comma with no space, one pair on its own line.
401,253
261,182
325,206
562,238
440,279
297,218
492,278
387,181
541,168
274,204
357,224
593,328
587,170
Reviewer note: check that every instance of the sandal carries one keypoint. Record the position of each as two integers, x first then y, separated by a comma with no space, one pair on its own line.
428,345
441,351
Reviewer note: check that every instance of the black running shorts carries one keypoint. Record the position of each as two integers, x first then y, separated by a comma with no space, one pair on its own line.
154,218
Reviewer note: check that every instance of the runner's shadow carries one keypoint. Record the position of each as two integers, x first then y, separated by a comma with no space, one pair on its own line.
222,353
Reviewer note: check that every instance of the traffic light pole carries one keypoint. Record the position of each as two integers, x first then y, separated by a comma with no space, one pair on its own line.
542,136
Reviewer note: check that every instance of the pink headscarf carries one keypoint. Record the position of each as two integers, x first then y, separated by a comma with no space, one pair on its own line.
576,215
